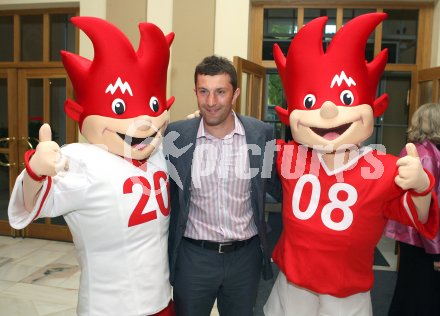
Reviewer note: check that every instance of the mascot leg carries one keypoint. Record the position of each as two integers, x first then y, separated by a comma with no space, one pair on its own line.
354,305
287,299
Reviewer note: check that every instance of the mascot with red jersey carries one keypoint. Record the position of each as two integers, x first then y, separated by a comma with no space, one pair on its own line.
338,195
112,191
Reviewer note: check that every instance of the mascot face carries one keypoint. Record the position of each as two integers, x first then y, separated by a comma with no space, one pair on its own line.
120,95
331,95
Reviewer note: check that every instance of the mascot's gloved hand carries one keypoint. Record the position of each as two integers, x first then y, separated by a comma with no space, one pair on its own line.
47,159
193,115
411,174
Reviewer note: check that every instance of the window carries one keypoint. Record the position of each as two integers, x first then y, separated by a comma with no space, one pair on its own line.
41,36
401,33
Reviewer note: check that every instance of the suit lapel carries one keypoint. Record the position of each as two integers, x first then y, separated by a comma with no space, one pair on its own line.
254,138
188,137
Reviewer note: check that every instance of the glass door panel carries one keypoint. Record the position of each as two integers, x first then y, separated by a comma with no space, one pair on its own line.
35,111
4,150
7,38
390,129
31,37
62,35
58,120
400,36
330,27
279,26
349,14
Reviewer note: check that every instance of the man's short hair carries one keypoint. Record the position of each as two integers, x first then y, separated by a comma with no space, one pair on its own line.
216,65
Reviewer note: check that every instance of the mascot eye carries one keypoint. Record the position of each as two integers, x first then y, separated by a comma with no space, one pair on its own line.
118,106
309,101
154,104
347,97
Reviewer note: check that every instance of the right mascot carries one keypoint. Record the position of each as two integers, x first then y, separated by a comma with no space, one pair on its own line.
338,195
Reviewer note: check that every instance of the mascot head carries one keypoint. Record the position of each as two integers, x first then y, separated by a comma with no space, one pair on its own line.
121,94
331,95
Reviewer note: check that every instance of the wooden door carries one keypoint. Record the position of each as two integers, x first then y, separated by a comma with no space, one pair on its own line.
40,98
428,86
251,81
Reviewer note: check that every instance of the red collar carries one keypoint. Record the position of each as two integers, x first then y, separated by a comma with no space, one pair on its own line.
141,164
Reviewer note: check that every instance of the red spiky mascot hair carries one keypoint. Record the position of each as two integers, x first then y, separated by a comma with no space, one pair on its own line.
310,70
118,73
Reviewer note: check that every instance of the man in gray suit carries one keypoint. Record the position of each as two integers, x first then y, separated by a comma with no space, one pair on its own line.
217,237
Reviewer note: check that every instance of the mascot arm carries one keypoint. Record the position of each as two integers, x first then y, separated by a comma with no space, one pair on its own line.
411,176
45,161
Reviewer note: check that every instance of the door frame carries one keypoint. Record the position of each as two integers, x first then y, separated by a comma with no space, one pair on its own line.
11,81
253,92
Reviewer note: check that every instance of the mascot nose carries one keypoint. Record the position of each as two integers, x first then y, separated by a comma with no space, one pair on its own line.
143,127
328,110
143,124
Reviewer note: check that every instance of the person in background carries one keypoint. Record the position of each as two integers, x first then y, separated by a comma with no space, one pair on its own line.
417,290
217,240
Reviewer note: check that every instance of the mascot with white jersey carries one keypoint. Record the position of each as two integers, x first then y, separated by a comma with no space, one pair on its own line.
337,194
112,191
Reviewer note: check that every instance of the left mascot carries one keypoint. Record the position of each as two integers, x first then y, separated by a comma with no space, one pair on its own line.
113,191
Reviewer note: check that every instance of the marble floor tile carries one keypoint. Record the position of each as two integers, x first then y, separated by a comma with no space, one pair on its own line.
22,248
4,240
46,309
4,261
59,246
5,284
69,312
68,258
32,292
53,275
41,277
40,258
17,307
72,282
16,272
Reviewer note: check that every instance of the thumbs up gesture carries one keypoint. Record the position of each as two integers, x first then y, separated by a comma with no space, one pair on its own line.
411,174
47,160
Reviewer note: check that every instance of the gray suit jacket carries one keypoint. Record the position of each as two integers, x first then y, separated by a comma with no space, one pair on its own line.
258,133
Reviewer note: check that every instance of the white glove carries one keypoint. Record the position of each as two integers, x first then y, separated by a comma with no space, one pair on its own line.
411,174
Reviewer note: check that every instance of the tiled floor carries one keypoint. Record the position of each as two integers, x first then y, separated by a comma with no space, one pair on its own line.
41,277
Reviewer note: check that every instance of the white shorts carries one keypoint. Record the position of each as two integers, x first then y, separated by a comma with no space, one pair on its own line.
287,299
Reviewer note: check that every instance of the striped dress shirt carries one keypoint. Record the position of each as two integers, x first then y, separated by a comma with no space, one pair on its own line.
220,204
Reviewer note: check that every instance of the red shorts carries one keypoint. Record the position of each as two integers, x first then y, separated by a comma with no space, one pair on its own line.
168,311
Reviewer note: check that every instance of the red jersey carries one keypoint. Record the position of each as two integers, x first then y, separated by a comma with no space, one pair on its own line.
334,219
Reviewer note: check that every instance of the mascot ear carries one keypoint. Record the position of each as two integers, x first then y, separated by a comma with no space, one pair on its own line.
170,102
73,110
380,105
283,114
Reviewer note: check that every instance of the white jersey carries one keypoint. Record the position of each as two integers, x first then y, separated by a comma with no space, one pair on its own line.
118,215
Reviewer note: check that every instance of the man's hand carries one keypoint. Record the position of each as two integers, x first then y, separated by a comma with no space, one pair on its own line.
47,160
411,174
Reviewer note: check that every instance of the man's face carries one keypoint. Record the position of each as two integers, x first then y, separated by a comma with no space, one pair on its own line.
215,98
